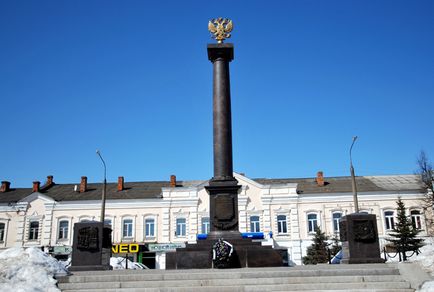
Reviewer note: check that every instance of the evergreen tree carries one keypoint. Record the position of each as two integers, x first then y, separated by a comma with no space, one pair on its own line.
336,247
317,252
404,234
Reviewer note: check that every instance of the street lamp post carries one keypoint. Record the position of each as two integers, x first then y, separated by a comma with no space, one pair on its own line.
353,179
104,188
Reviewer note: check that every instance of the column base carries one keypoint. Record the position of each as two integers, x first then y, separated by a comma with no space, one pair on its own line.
246,254
223,197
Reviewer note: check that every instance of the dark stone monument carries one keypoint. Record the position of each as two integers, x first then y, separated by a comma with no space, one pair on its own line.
223,187
91,248
359,236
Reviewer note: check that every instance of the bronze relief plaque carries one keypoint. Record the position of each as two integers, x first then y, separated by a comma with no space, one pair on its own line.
225,216
87,238
364,231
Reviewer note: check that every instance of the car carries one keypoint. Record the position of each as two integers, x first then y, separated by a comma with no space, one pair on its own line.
337,258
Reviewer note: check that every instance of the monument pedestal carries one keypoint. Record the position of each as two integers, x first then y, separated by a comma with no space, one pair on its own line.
224,225
246,254
359,236
223,202
91,248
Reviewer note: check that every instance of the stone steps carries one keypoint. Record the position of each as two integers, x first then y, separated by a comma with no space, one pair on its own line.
143,276
370,277
229,282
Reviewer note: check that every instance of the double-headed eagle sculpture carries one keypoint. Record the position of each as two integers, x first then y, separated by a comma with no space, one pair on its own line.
220,28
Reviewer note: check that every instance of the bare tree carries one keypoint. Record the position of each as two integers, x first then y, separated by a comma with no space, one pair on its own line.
427,176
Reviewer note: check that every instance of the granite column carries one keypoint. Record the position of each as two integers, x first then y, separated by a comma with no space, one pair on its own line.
223,187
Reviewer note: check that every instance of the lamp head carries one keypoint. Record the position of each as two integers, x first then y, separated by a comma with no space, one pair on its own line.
354,138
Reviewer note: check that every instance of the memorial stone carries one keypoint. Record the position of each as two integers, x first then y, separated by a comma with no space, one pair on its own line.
91,248
359,236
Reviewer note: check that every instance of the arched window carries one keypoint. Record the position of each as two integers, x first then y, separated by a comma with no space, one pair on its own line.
33,230
389,220
149,227
127,228
205,225
416,219
312,222
336,218
181,227
281,224
2,232
63,229
254,224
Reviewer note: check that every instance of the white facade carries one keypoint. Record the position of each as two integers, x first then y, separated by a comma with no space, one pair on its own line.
285,212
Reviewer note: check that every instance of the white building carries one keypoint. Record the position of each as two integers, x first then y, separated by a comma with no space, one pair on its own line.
160,216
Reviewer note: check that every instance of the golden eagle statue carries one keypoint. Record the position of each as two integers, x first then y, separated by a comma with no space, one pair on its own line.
220,28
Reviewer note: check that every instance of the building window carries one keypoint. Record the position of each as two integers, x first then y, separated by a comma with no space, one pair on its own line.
34,230
336,218
63,229
127,228
149,227
205,225
181,227
281,224
388,217
254,224
416,219
312,222
2,232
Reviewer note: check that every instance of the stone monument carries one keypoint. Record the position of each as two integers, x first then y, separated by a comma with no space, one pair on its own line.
223,187
91,247
359,237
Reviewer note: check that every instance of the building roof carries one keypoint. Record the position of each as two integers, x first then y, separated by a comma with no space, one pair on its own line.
14,195
65,192
153,189
343,184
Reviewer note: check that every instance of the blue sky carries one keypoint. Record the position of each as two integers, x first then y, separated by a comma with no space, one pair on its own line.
132,79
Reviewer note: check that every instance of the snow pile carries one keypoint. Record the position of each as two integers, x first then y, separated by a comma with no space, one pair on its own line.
28,270
426,260
66,264
427,287
119,263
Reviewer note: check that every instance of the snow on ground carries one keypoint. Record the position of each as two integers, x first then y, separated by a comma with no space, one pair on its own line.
427,287
31,270
118,263
426,260
28,270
